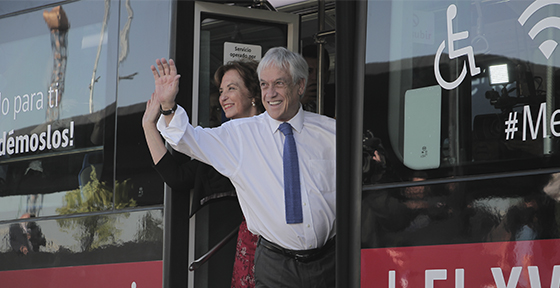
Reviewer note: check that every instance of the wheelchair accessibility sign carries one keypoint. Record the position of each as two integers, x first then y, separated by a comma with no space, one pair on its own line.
455,53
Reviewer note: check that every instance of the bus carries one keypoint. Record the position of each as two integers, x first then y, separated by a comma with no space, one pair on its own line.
447,172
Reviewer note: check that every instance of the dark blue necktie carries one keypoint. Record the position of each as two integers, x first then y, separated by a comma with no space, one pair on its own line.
292,193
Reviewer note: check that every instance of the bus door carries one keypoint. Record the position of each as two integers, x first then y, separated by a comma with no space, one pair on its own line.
212,36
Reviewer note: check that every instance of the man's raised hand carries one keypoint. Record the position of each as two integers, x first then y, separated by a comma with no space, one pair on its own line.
166,81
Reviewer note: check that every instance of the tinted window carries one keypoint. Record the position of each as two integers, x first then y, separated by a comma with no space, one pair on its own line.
64,124
432,100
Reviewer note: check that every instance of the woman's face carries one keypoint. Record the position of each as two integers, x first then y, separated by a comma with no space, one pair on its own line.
235,97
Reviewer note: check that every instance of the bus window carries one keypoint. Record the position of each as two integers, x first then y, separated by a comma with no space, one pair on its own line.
59,113
53,119
460,86
133,163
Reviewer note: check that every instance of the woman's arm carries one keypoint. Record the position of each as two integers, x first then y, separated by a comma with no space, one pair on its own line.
179,176
175,174
153,138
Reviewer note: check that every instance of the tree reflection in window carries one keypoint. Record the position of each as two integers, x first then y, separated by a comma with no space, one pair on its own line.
95,231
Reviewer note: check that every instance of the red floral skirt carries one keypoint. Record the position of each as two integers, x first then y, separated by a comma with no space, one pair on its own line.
244,264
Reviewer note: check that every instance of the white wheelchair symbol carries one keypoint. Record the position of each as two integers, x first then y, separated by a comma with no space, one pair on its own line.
452,37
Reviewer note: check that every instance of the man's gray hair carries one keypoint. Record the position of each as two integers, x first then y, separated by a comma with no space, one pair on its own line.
288,60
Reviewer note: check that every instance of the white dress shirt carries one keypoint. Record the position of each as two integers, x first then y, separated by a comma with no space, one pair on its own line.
249,152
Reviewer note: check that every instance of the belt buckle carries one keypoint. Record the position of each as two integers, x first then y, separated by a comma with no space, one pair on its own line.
302,257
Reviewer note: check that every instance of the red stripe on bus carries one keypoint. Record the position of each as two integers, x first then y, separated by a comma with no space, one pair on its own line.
122,275
463,265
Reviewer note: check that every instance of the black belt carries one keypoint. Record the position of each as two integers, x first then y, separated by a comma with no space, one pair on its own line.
298,255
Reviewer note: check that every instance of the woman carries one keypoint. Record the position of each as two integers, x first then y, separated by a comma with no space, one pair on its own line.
240,96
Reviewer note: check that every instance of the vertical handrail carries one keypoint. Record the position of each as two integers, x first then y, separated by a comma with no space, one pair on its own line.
320,64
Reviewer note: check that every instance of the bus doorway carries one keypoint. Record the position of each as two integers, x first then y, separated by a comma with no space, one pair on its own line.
216,34
213,36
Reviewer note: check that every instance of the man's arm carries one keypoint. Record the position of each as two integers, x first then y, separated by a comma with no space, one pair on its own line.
218,147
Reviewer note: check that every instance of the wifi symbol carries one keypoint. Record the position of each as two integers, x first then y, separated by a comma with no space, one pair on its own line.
548,46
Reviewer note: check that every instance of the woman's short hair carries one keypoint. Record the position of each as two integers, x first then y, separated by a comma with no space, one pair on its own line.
286,59
247,69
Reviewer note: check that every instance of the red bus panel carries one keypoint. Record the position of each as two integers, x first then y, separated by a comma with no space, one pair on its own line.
122,275
497,264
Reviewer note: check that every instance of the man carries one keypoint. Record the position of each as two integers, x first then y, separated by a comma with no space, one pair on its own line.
26,237
309,99
293,251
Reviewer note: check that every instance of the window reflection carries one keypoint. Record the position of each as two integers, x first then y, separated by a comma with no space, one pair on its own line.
62,115
135,85
479,123
52,126
26,237
96,239
494,210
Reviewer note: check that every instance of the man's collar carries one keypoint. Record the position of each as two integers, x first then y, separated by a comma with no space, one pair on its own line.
296,121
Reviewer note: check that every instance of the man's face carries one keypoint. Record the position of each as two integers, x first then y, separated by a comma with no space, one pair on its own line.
311,90
280,96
